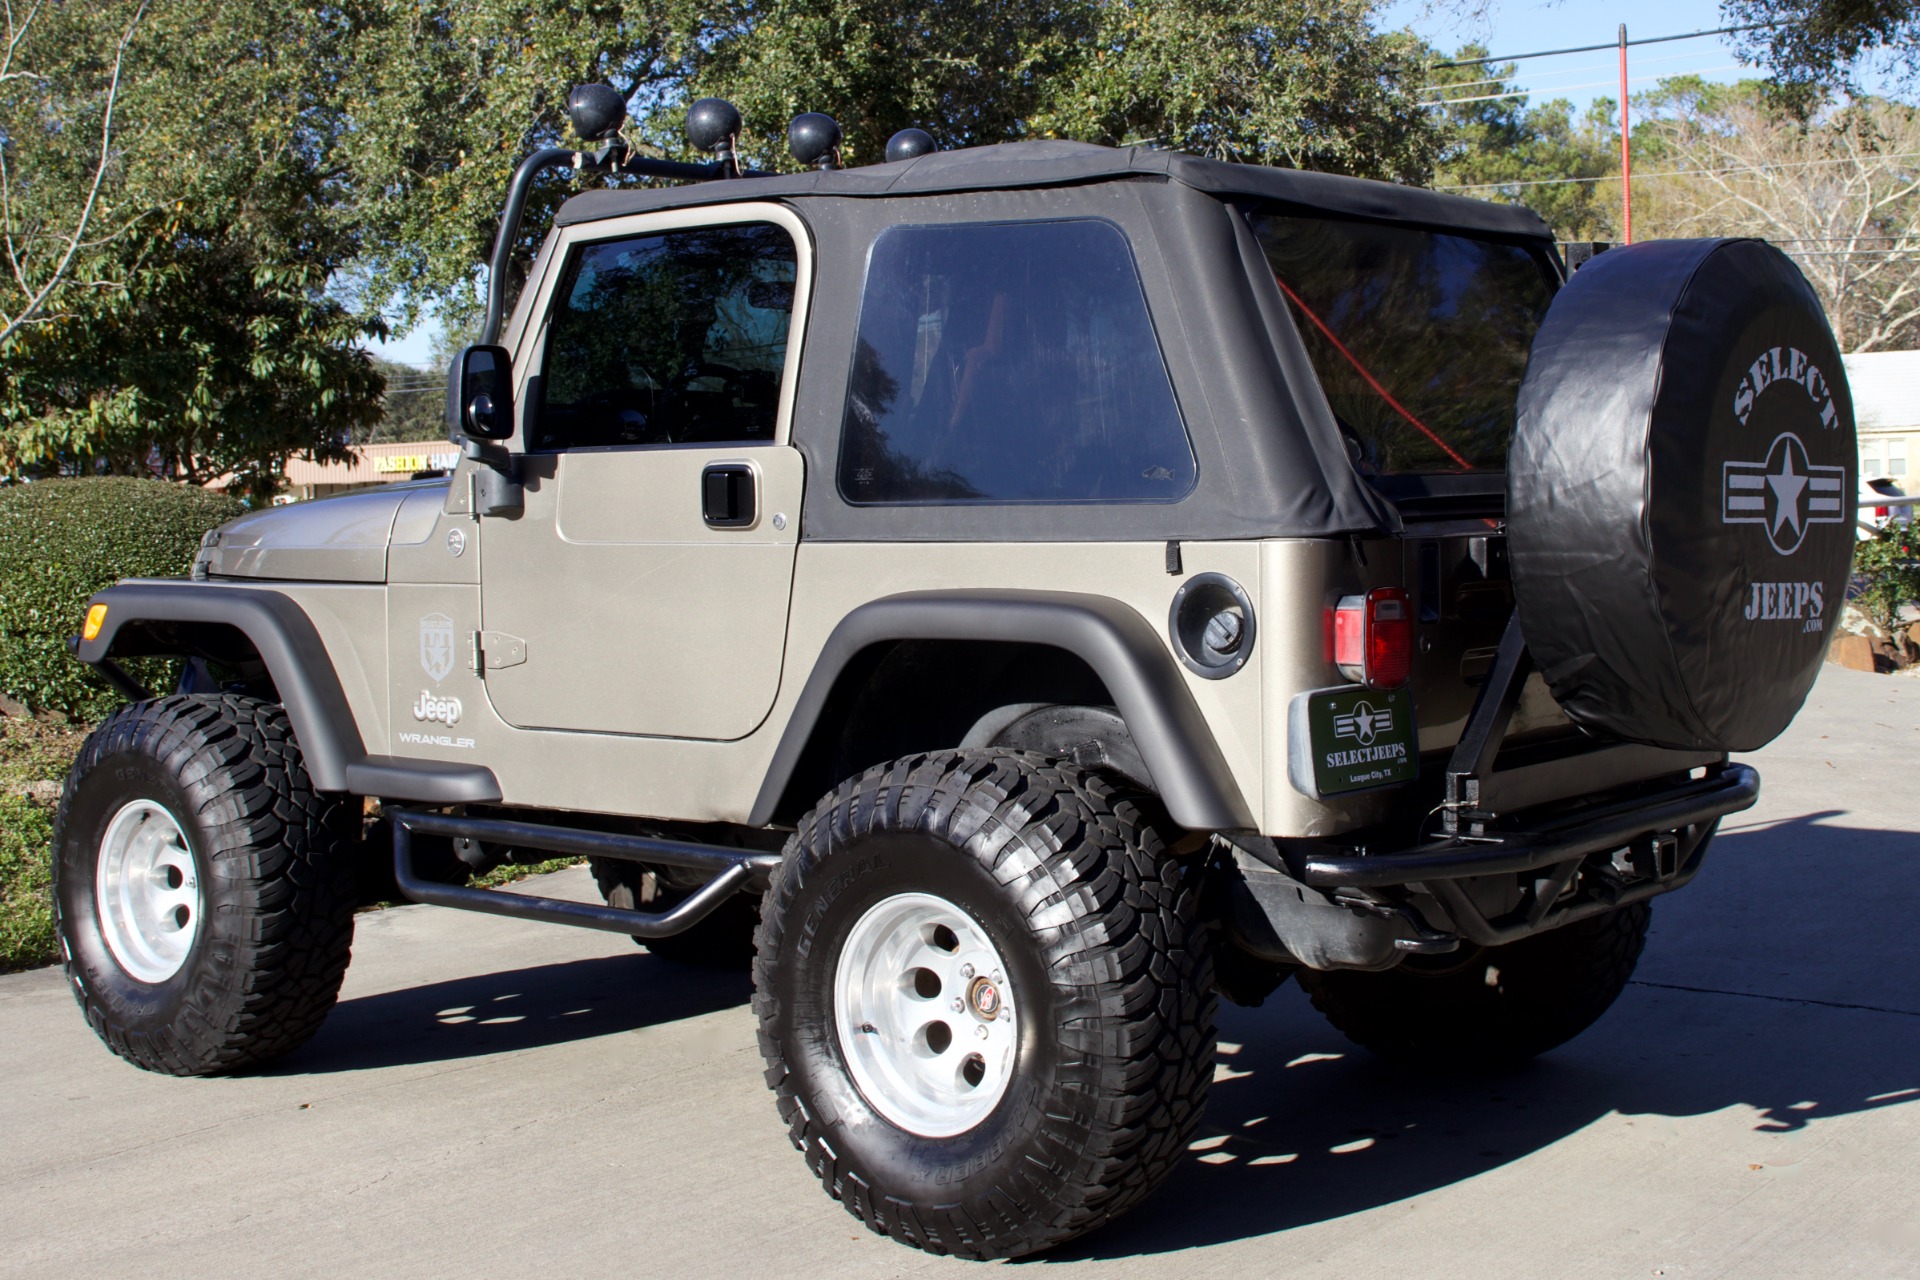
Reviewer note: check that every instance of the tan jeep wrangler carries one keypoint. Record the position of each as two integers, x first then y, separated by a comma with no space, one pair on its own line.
1043,588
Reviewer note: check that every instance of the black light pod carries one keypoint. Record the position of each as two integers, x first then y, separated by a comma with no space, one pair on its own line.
814,139
712,125
596,110
910,144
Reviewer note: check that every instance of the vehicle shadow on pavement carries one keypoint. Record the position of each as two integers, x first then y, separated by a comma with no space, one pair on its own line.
1303,1127
516,1009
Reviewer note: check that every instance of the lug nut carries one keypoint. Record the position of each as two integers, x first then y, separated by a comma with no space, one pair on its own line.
980,1033
959,1005
966,971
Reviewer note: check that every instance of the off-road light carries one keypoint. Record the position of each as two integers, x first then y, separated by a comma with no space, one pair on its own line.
909,144
1373,638
813,138
713,124
596,110
96,619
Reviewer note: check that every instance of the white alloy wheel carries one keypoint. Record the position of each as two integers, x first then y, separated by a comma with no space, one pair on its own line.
146,891
925,1015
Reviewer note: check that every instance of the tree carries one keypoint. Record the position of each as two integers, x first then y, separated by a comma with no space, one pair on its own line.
1272,81
413,406
445,99
1815,46
1303,85
206,346
1500,149
276,180
42,245
968,74
1839,191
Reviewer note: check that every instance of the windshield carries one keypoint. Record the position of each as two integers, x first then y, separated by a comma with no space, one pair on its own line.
1420,337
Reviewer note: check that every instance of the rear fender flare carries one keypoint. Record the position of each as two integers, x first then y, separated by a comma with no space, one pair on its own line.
1189,772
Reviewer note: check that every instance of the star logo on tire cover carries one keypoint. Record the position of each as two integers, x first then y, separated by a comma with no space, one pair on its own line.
1786,493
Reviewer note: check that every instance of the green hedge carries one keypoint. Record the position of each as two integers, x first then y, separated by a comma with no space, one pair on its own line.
63,540
26,879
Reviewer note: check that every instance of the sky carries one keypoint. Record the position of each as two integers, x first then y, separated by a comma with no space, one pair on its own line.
1507,27
1525,26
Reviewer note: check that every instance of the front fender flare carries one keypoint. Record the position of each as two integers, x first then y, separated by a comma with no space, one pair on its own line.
1190,773
303,676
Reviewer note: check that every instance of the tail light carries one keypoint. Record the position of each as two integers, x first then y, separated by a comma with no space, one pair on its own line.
1881,513
1373,638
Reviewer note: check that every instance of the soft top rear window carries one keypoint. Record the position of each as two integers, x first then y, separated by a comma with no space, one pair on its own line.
1420,337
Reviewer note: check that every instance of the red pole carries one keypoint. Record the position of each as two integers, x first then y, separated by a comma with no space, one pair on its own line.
1626,154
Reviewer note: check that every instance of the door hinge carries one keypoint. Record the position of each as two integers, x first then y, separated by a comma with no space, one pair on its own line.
493,650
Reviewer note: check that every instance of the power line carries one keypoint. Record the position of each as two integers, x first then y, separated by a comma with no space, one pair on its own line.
1563,71
1566,88
1596,48
1673,173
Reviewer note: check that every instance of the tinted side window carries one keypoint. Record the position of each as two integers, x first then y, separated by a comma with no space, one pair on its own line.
676,338
1009,362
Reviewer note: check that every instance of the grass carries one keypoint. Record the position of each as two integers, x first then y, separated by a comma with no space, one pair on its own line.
30,751
520,871
39,751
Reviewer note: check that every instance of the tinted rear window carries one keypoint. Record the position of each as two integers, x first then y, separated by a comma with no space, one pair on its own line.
1009,362
1420,338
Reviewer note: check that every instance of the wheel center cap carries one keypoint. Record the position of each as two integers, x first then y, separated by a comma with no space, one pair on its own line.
985,998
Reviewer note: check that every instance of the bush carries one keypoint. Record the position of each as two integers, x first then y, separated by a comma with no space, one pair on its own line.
26,884
63,540
1887,574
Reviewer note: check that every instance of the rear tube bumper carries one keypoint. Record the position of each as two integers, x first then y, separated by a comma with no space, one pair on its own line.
1439,867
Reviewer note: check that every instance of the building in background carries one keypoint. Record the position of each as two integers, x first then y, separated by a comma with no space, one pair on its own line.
372,464
1886,408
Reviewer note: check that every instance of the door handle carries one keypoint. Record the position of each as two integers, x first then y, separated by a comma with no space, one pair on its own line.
727,495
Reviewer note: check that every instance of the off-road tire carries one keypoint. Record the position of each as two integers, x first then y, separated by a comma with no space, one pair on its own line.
721,940
1067,873
275,862
1487,1006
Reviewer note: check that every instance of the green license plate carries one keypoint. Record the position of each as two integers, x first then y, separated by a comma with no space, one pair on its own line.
1351,739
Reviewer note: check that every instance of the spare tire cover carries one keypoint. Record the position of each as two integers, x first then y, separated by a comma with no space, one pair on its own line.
1680,494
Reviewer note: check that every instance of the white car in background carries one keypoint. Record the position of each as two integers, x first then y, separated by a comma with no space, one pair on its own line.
1876,517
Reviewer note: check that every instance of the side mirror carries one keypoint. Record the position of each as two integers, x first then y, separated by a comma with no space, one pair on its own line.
480,393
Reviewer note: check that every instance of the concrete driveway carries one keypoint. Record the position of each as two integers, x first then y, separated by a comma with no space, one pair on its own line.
498,1098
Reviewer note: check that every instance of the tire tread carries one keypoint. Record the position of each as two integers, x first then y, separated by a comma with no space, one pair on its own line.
1085,861
285,846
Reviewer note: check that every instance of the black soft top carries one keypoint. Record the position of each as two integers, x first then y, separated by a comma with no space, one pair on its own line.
1269,456
1012,166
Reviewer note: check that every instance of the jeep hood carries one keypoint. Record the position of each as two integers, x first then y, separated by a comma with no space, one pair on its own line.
338,539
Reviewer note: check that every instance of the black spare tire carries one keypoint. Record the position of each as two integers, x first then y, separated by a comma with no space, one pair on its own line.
1680,494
